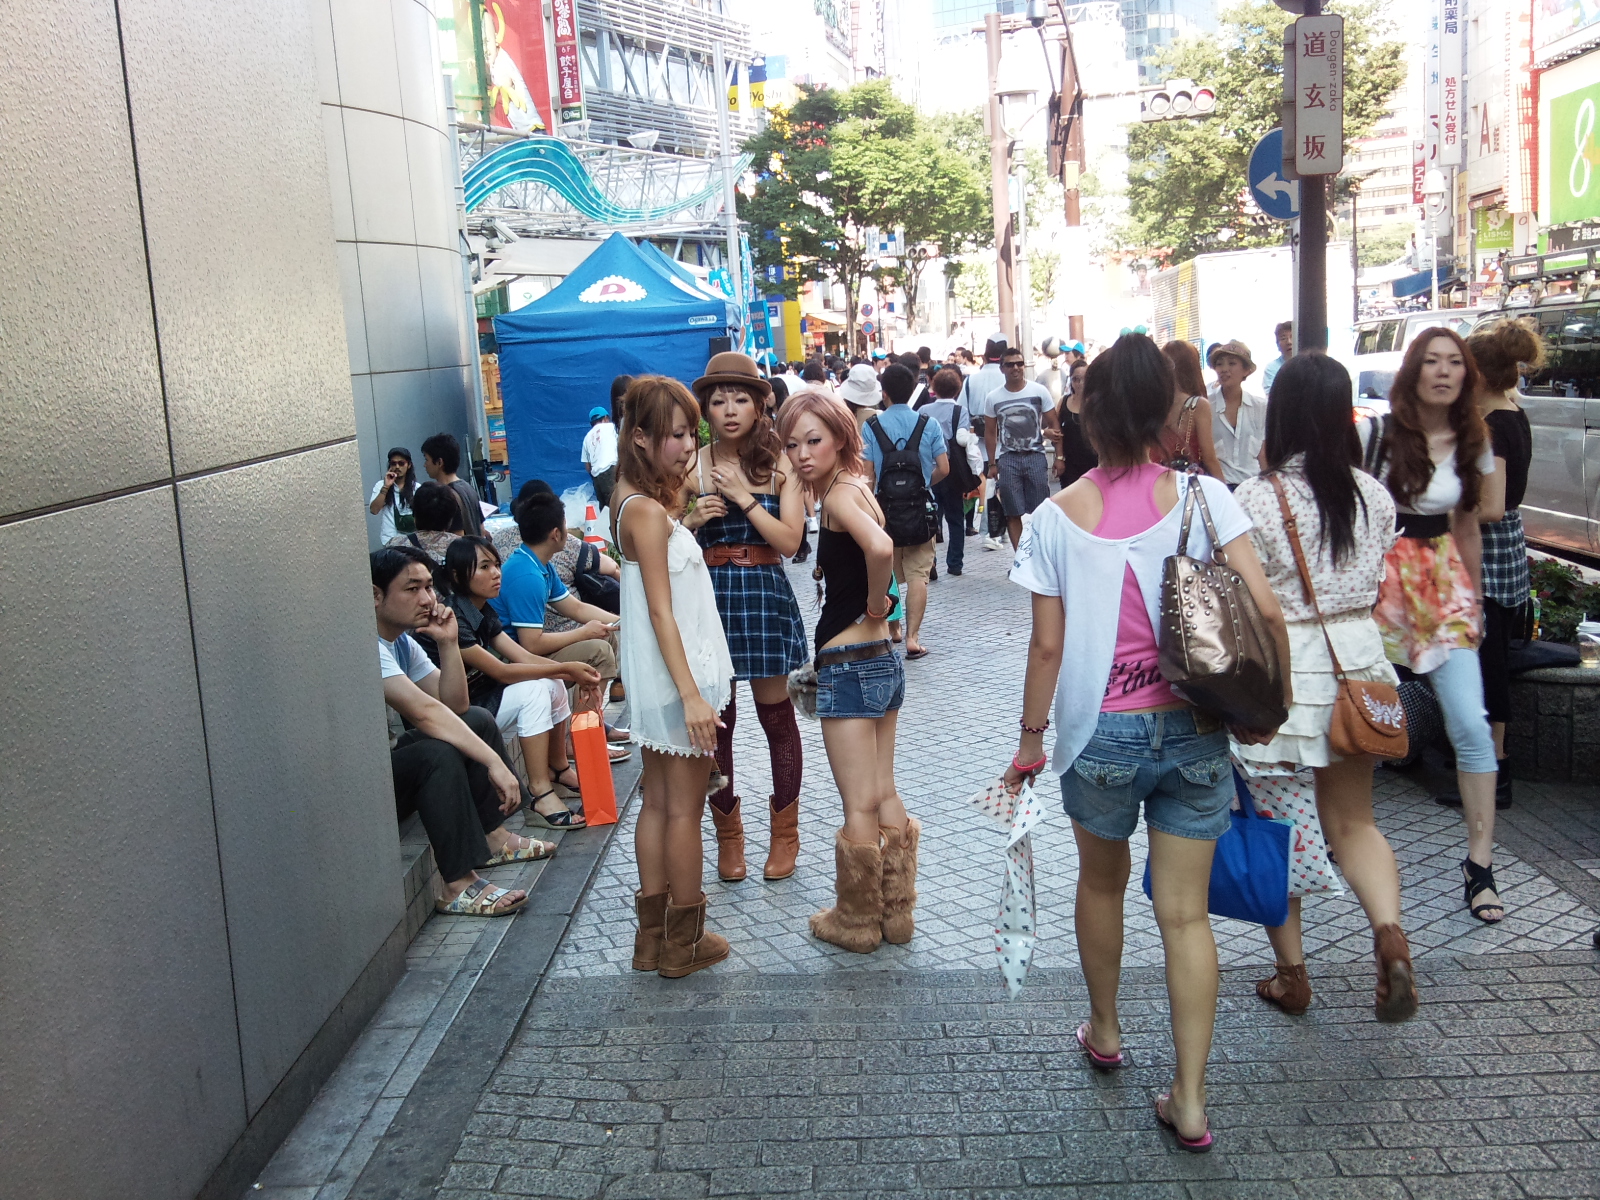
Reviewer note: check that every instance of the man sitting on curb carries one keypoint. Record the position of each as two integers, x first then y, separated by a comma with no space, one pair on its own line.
449,769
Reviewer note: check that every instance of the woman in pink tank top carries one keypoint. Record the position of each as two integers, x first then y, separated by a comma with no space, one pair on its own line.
1132,742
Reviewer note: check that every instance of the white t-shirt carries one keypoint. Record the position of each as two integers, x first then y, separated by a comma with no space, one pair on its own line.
404,657
1058,558
1018,417
386,530
1443,492
600,447
1238,449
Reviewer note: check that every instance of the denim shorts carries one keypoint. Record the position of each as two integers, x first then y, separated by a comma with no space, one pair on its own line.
869,688
1183,777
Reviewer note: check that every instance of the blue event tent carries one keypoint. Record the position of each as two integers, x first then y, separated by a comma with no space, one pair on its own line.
621,312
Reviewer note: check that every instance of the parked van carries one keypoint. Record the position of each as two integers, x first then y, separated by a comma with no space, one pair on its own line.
1380,345
1562,400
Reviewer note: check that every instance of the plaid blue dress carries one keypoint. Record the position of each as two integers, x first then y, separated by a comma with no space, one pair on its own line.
760,615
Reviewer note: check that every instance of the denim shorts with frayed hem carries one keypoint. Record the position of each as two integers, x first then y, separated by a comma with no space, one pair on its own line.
1181,776
870,688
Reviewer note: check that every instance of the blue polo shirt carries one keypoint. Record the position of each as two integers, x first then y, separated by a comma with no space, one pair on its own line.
526,586
898,420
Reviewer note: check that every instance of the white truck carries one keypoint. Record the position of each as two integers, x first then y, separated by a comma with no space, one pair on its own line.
1243,294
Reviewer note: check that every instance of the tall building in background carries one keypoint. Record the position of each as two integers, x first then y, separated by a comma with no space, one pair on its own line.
954,17
1152,25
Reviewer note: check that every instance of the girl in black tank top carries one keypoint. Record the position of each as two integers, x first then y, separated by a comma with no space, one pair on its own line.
860,681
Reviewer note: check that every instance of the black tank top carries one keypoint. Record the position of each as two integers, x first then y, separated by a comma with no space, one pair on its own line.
844,573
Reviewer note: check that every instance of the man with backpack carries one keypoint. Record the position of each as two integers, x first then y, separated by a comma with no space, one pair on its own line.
906,452
1019,417
942,403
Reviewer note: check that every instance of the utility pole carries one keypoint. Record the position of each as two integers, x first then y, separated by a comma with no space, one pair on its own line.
1000,189
730,204
1071,112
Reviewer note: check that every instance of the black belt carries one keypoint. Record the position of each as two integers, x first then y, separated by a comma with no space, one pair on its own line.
835,655
1422,525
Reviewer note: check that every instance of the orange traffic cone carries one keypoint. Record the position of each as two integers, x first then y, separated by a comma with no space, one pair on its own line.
594,769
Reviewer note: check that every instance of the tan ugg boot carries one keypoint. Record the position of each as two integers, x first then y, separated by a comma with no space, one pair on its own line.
688,947
900,881
855,922
785,845
1396,996
730,841
652,911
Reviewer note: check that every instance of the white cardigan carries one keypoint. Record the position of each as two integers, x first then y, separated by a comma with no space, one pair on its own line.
1058,558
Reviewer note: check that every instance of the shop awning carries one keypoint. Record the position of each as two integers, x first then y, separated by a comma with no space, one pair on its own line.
1412,285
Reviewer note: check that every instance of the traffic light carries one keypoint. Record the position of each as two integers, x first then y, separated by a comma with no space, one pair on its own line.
1177,100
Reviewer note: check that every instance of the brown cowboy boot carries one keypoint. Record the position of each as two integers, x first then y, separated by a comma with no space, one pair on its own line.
1396,996
687,946
1295,996
900,881
785,845
730,842
652,911
855,922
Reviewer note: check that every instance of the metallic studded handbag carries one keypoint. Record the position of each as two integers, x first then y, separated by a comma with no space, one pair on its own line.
1215,648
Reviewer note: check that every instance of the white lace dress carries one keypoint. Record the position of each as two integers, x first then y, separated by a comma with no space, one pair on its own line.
655,708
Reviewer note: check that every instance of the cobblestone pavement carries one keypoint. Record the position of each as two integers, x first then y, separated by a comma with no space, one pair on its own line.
795,1067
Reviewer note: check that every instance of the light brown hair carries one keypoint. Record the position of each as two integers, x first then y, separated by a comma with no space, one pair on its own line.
1502,350
649,407
1185,360
762,450
835,418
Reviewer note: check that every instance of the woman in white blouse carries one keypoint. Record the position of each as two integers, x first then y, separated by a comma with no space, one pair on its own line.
1345,520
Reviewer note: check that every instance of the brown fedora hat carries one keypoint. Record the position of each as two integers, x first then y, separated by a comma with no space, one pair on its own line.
1236,348
731,367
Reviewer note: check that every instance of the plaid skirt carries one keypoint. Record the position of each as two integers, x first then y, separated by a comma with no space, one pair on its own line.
761,620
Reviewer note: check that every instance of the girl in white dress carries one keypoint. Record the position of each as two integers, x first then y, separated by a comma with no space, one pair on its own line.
676,667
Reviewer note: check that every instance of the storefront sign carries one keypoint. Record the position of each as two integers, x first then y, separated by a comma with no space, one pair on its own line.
1494,229
1574,156
514,47
1452,68
569,77
1562,26
1419,171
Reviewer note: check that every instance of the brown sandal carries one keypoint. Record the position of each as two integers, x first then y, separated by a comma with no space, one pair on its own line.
1295,996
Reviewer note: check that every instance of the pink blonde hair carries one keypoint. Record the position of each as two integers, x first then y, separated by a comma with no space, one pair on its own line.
835,418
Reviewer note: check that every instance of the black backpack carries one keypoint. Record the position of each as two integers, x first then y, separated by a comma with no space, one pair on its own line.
960,477
592,587
909,515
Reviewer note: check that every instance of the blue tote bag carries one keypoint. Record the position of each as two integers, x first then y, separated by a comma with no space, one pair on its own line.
1250,870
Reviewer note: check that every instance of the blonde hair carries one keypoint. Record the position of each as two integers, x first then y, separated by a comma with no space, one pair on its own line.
1502,350
835,418
648,407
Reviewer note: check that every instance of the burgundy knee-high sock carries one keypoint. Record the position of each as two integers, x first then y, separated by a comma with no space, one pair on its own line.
722,801
783,743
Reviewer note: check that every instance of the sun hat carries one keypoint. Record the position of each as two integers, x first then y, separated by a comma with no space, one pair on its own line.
860,387
597,412
731,367
1236,348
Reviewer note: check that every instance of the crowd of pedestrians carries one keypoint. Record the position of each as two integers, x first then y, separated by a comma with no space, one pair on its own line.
1366,548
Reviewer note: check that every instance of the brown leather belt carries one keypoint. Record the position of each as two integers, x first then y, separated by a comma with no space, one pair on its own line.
835,655
741,555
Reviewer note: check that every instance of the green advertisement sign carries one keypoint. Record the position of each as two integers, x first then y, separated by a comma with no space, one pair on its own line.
1494,229
1575,156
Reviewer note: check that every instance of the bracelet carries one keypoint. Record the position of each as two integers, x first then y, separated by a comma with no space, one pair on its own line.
1031,767
1026,728
753,503
887,609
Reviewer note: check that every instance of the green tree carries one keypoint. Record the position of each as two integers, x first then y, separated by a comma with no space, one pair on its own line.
839,164
1187,179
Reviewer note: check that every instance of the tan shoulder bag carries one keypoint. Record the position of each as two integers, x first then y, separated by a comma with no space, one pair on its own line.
1367,717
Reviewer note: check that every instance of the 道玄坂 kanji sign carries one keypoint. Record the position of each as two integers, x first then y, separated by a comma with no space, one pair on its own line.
1319,95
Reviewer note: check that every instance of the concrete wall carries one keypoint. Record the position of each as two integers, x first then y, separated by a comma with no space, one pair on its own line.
413,348
197,830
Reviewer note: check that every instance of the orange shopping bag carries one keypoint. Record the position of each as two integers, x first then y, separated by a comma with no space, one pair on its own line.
594,769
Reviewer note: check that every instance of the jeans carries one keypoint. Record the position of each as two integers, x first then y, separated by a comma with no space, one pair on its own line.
1161,761
952,509
865,689
1458,684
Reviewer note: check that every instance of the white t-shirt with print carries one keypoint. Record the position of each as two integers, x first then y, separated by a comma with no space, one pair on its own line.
1018,417
386,527
600,447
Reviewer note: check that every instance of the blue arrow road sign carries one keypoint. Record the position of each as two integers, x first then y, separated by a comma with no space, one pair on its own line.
1276,196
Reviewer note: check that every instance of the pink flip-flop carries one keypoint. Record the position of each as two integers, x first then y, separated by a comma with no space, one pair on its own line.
1199,1145
1100,1062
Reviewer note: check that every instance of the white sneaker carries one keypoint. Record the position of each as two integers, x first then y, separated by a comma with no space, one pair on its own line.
811,524
991,543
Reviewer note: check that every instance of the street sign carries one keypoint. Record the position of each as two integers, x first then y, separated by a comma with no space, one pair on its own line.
869,328
866,310
1318,82
1276,196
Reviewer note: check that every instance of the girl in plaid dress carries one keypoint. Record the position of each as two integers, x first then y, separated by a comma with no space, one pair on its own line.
748,516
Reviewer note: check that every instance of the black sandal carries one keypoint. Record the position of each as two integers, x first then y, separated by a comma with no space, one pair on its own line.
1480,880
565,819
